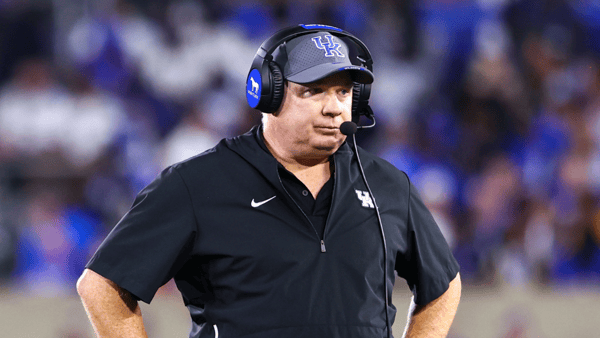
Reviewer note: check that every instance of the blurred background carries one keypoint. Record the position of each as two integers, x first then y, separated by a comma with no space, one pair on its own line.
491,106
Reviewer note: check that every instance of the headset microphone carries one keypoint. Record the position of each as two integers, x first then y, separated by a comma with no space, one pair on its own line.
348,128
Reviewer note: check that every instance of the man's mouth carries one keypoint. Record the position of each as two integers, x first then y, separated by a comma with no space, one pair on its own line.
328,129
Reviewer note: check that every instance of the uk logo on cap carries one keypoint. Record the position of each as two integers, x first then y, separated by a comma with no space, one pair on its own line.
330,47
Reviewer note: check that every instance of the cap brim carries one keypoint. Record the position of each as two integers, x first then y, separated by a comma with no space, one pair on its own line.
316,73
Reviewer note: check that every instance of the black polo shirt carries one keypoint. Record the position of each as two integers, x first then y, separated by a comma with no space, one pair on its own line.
315,209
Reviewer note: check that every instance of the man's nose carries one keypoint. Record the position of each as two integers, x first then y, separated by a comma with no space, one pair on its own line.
332,105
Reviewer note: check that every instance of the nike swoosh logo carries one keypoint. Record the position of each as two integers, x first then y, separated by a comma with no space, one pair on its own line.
258,204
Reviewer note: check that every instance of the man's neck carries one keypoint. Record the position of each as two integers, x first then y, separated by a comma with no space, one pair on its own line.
290,159
313,172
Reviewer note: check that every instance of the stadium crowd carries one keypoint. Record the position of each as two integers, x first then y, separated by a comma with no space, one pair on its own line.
491,106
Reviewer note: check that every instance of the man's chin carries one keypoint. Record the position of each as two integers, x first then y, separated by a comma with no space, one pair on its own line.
327,147
319,152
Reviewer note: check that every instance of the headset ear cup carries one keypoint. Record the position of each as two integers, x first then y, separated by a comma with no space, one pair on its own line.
360,101
356,101
277,83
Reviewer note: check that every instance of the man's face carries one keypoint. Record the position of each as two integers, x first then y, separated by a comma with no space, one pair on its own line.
310,115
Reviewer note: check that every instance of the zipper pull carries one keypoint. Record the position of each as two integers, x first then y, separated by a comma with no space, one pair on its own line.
323,246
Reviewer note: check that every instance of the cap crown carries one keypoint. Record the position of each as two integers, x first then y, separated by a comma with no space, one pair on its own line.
308,51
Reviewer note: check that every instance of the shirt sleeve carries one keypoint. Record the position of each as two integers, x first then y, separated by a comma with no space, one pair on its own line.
152,241
428,264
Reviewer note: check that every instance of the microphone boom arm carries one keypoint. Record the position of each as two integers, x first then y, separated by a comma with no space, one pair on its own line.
368,113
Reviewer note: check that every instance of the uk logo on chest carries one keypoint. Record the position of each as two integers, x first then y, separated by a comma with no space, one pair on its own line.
365,199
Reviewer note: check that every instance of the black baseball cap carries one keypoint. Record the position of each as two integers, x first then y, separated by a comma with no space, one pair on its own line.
312,57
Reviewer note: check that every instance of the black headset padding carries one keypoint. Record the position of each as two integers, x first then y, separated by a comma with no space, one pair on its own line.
360,100
278,87
356,91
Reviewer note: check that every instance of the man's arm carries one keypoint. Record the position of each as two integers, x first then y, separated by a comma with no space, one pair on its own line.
435,318
112,310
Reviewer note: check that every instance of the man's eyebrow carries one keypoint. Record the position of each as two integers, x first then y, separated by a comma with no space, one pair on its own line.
311,84
300,87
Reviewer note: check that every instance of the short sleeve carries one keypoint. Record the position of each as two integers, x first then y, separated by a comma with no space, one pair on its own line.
152,241
428,264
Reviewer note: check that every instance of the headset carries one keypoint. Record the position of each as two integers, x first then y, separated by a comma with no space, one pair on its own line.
265,73
265,88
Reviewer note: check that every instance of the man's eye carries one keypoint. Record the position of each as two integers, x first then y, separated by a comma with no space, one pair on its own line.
307,93
311,91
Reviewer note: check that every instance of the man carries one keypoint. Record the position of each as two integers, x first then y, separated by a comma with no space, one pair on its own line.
276,233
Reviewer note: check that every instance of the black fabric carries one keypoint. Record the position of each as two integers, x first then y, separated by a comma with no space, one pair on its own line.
259,271
152,241
316,209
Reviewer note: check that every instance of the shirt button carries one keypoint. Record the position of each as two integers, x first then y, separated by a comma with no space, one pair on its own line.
305,192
